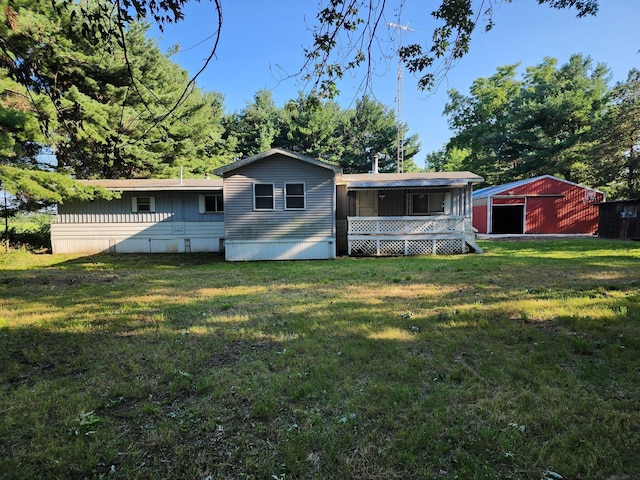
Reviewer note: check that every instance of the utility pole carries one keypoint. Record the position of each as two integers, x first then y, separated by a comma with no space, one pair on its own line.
400,96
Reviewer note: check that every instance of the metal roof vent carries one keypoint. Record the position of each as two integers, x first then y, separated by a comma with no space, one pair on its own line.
374,163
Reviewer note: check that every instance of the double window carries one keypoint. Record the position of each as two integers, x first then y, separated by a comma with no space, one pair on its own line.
294,196
427,203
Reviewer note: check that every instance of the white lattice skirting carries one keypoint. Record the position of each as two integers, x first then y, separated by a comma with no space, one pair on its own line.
435,246
434,235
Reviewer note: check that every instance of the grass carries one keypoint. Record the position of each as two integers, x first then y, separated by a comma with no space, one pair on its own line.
520,363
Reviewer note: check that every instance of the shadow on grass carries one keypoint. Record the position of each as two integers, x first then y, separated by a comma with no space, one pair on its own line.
184,366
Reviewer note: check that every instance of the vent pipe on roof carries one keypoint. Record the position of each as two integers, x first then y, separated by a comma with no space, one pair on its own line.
374,163
180,175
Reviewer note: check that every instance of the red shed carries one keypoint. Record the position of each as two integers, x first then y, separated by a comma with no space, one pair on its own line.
539,205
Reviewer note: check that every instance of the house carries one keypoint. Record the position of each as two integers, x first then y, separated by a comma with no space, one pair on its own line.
619,219
277,205
151,216
539,205
359,214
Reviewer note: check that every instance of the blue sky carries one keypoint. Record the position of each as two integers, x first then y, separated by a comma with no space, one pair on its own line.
263,41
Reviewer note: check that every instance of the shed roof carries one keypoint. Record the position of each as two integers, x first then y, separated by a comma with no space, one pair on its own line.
148,185
275,151
501,189
408,180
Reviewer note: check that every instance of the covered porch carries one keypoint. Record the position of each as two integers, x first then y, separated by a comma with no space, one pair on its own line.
406,214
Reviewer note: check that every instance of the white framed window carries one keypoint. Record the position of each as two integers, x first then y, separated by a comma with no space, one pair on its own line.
422,203
143,204
211,203
294,196
263,196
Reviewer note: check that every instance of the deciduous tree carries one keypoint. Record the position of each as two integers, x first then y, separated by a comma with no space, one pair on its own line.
541,124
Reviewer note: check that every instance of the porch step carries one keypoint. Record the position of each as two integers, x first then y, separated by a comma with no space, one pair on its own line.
474,246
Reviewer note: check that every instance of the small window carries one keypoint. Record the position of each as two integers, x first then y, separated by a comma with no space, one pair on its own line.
263,196
427,203
212,203
294,196
143,204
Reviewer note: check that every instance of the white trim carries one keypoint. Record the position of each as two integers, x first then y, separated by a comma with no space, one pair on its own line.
273,197
136,209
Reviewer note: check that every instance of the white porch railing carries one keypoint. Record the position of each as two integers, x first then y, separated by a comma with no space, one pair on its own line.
442,234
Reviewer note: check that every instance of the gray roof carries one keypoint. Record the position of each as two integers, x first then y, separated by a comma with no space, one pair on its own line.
408,180
148,185
501,189
275,151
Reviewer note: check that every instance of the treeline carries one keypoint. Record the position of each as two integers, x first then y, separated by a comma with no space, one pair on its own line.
79,106
564,120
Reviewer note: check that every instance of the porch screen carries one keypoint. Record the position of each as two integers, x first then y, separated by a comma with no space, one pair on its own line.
427,203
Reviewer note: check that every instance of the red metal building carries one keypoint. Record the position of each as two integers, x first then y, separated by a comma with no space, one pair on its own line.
539,205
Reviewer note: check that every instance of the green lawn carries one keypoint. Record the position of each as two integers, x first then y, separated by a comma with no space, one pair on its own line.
520,363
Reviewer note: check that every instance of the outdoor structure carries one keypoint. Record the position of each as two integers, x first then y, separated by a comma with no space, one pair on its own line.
406,213
619,219
279,206
151,216
539,205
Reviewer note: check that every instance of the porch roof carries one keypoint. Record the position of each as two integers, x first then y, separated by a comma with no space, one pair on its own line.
148,185
407,180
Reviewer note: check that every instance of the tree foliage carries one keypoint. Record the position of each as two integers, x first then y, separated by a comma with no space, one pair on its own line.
544,123
81,83
348,31
321,129
87,109
616,151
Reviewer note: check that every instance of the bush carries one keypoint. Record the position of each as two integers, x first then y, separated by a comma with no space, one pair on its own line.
29,230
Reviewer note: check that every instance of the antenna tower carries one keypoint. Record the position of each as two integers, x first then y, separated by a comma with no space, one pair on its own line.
400,96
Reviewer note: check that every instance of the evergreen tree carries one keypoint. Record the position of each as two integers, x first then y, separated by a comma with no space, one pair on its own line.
313,127
256,127
103,111
371,128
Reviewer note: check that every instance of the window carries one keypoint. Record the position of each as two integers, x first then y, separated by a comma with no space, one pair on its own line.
143,204
211,203
294,196
263,196
427,203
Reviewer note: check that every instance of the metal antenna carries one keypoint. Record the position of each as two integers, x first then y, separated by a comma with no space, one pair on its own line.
400,96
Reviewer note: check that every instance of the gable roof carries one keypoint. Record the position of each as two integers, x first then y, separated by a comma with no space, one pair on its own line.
274,151
498,189
148,185
408,180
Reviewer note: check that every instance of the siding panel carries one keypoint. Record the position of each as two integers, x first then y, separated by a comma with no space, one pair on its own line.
180,206
317,220
135,237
